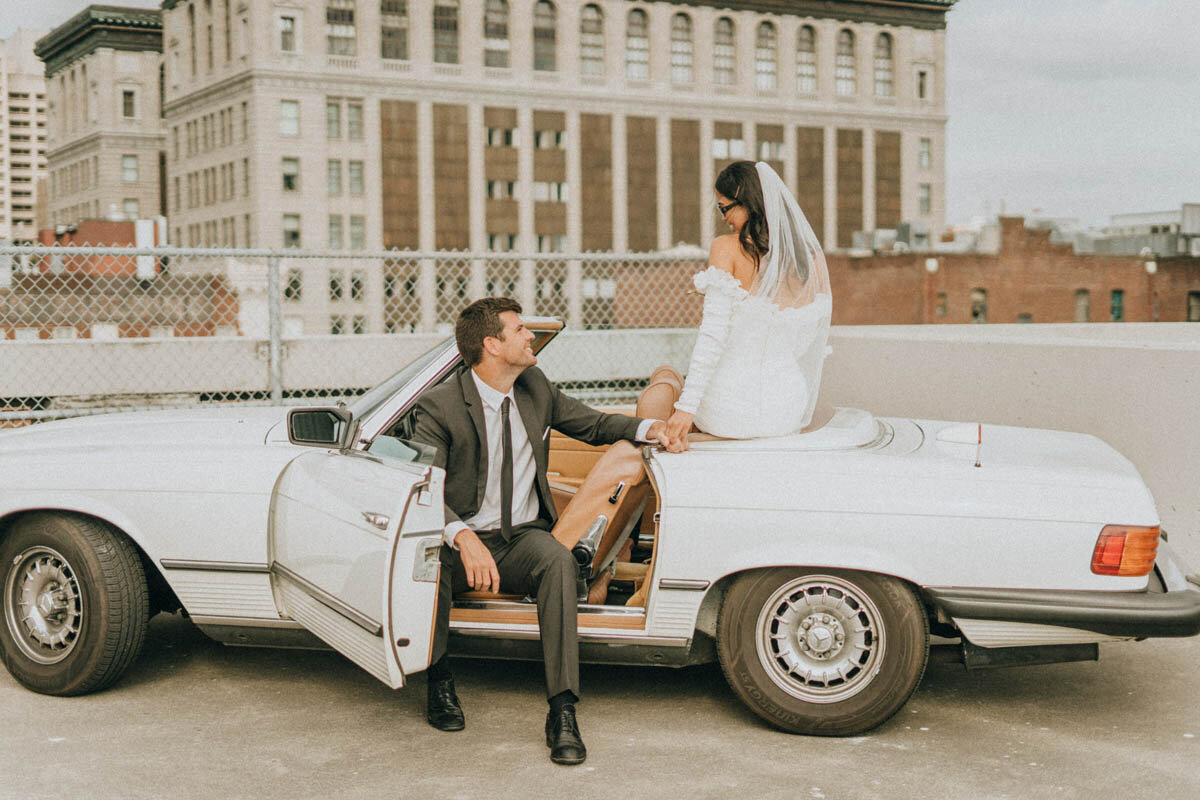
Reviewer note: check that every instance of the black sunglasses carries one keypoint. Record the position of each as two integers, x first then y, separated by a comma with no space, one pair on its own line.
724,209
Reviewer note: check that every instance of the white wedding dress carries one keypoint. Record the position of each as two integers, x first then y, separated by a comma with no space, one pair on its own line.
756,367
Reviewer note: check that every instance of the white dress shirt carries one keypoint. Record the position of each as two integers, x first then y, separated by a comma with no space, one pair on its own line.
525,507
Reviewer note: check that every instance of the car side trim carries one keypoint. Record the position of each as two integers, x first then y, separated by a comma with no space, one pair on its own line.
1134,614
329,601
683,584
214,566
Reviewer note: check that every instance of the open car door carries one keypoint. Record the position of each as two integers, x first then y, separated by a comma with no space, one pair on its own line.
354,542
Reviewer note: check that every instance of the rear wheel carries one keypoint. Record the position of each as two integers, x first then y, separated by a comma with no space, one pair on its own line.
75,605
824,652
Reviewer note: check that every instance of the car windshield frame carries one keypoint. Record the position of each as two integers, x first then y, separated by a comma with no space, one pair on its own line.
371,400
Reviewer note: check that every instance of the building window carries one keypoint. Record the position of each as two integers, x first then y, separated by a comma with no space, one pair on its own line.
293,285
246,179
940,309
287,34
354,176
358,241
291,174
502,137
340,33
501,242
637,45
1083,306
337,324
550,191
728,148
192,37
358,324
501,190
354,120
291,230
333,177
591,40
925,153
883,65
1193,307
845,73
770,151
1118,305
129,169
766,67
445,31
333,119
393,30
724,53
495,34
682,49
545,34
336,242
128,103
1025,318
922,84
337,281
550,140
806,59
979,305
924,198
130,206
289,117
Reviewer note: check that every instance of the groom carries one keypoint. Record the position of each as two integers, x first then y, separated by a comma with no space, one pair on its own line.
491,428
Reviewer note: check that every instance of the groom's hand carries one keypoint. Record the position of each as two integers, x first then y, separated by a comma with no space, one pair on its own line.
477,560
657,432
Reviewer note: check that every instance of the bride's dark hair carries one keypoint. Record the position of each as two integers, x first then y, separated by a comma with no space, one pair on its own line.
739,181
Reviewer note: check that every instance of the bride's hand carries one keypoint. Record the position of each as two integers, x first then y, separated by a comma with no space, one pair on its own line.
678,427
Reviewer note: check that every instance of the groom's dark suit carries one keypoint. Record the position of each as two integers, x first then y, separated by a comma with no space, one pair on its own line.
450,418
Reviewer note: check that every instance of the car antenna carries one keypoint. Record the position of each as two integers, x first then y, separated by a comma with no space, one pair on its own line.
979,444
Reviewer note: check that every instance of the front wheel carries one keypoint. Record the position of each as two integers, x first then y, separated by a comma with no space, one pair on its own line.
822,652
75,603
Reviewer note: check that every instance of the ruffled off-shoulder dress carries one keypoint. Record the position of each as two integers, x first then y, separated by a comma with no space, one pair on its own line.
756,367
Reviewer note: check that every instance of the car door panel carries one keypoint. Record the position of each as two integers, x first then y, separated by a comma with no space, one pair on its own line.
346,531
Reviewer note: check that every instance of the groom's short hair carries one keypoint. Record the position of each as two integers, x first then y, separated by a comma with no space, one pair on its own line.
478,321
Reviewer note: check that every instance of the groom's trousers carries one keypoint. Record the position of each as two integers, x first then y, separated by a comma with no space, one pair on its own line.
531,563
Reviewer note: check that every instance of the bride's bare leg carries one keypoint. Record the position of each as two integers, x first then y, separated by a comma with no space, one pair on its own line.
657,400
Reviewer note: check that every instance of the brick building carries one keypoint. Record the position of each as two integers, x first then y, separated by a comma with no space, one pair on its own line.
1030,279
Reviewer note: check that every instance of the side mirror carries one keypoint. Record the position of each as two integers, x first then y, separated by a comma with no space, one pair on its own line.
320,427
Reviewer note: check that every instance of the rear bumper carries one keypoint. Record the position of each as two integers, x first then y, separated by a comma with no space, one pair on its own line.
1172,611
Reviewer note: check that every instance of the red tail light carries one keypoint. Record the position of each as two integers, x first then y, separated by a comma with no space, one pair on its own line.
1126,550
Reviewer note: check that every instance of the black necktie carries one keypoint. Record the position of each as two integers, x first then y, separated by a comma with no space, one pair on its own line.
506,468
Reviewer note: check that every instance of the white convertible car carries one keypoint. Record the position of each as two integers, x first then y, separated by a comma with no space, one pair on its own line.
814,567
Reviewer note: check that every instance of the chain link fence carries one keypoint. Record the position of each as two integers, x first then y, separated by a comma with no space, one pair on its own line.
93,329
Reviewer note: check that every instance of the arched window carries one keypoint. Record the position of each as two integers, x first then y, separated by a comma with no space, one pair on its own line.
681,49
445,31
806,59
495,34
637,45
766,67
724,52
979,305
883,66
591,40
545,29
845,75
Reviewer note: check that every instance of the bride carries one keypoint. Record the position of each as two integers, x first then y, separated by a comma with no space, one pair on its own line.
756,365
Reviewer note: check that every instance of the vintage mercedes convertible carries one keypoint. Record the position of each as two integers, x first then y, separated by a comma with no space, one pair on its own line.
813,567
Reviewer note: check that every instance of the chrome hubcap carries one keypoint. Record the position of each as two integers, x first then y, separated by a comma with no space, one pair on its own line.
43,605
820,638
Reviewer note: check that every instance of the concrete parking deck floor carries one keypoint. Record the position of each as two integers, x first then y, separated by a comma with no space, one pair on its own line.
194,719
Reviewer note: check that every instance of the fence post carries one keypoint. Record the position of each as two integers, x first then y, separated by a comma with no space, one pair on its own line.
274,330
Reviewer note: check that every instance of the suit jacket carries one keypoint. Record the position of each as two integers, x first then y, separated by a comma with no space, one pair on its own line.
449,417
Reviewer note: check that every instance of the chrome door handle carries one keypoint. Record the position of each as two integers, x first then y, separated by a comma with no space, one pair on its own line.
380,521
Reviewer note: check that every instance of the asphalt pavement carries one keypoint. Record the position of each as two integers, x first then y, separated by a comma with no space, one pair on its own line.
195,719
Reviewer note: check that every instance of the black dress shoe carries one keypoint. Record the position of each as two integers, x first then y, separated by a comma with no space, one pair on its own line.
562,737
441,706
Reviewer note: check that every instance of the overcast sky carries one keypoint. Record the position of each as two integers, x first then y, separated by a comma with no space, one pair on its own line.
1069,108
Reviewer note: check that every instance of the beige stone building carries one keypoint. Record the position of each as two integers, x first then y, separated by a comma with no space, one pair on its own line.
545,126
22,136
107,155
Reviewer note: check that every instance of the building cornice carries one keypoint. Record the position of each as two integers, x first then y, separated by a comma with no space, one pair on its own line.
116,27
927,14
